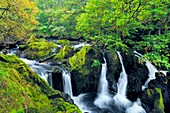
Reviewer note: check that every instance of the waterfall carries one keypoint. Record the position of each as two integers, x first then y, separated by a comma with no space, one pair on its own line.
151,68
40,68
103,97
120,98
135,108
80,45
67,83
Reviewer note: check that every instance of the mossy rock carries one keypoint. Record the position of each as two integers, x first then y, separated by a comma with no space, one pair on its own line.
64,53
85,75
22,90
63,42
39,48
22,47
153,100
78,59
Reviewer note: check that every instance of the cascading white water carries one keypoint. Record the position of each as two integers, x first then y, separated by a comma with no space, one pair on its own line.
120,98
151,68
80,103
152,71
103,97
67,83
135,108
40,68
80,45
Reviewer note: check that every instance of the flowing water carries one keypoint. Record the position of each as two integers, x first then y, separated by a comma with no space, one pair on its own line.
80,45
120,97
103,98
67,83
103,101
135,108
151,68
41,69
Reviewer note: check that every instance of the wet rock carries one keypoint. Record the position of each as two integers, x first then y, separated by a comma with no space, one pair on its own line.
162,82
114,69
153,101
86,78
137,74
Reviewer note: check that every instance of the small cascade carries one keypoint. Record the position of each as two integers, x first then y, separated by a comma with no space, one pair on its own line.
152,71
80,45
120,98
79,101
41,69
67,83
103,97
136,108
164,72
151,68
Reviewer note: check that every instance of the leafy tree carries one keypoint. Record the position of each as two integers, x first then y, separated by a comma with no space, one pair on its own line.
16,18
58,18
122,23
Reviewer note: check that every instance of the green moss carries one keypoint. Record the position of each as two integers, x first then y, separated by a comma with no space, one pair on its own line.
78,60
156,99
66,50
22,46
63,42
149,93
39,49
22,90
159,102
66,107
32,39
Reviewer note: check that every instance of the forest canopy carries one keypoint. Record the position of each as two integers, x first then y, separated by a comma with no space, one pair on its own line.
142,25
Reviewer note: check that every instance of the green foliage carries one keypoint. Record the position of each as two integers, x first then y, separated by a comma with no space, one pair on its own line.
156,48
17,18
95,63
58,18
142,25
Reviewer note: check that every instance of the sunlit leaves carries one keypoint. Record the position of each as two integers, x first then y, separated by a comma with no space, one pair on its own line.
16,18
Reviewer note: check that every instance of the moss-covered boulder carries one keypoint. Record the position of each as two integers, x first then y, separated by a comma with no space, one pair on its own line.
63,42
63,55
153,100
39,48
22,90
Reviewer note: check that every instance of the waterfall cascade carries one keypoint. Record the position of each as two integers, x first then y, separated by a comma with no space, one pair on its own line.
151,68
103,97
80,45
120,98
104,101
135,108
41,69
67,83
